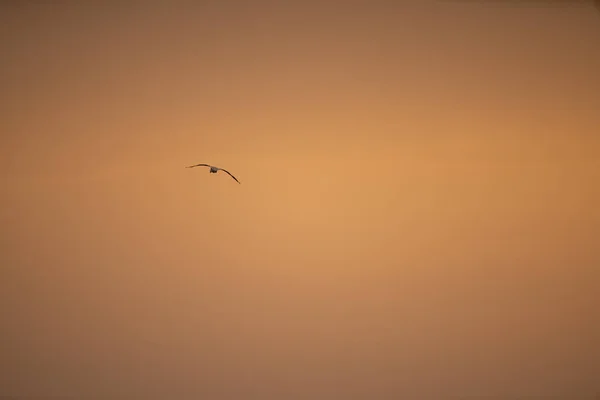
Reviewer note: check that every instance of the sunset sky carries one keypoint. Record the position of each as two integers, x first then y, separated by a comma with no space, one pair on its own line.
418,215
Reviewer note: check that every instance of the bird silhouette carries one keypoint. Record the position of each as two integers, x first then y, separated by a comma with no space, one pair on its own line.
214,170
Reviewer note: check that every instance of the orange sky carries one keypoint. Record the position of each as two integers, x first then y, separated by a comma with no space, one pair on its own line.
418,216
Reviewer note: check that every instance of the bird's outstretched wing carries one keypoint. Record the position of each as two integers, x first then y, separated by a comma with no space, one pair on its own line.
224,170
198,165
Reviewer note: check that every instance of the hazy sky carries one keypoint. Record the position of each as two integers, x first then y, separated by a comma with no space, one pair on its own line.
419,213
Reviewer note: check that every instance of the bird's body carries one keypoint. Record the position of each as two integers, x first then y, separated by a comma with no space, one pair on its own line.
214,170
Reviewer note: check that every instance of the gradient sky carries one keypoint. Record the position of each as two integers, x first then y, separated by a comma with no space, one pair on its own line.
419,213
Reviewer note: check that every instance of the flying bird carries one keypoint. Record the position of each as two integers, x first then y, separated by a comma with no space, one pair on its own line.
214,170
